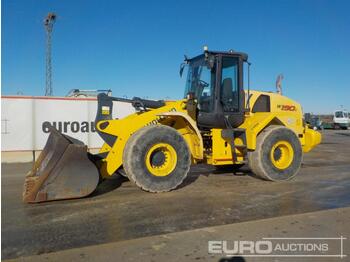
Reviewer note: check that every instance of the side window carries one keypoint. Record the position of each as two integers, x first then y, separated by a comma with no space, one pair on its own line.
229,93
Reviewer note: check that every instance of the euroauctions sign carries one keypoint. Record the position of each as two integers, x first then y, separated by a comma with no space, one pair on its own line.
280,247
66,126
25,120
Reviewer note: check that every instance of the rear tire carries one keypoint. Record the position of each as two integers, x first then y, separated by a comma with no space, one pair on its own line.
156,158
278,154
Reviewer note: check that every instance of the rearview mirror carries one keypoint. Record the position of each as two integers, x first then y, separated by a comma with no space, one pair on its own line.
182,67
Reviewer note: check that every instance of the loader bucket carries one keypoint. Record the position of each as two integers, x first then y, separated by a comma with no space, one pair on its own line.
62,171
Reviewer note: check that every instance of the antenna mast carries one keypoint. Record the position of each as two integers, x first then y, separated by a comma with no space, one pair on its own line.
279,84
48,23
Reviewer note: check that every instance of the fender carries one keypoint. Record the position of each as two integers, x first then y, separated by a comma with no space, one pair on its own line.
187,127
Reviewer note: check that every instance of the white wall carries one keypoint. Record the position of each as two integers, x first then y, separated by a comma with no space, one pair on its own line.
23,120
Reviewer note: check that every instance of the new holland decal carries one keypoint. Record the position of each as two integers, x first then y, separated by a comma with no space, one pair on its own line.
287,107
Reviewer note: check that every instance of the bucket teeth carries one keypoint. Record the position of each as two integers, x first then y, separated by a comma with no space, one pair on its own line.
29,185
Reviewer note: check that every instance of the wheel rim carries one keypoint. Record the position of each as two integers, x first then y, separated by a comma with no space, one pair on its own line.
282,154
161,159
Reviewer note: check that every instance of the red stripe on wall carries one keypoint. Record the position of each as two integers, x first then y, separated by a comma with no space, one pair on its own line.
51,98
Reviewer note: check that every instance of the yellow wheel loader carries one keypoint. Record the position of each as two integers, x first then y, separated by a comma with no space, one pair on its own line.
217,123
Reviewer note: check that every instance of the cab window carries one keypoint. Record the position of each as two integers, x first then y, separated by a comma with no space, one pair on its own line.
229,93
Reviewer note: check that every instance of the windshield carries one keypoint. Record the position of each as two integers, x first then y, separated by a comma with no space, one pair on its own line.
200,82
339,114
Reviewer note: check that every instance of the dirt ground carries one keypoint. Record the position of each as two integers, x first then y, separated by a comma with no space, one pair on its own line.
119,211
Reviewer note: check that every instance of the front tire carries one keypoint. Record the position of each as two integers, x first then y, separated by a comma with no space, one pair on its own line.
278,154
156,158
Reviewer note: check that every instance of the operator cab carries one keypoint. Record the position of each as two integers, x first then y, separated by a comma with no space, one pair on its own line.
215,84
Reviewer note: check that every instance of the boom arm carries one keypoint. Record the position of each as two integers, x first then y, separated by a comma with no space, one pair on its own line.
105,109
105,105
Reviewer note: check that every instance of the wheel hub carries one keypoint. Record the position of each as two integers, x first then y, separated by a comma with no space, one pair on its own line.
161,159
282,154
277,154
157,158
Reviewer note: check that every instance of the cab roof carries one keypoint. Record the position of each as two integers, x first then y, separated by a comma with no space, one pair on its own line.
225,53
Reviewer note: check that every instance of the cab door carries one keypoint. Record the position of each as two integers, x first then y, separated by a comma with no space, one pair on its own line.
231,90
227,108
